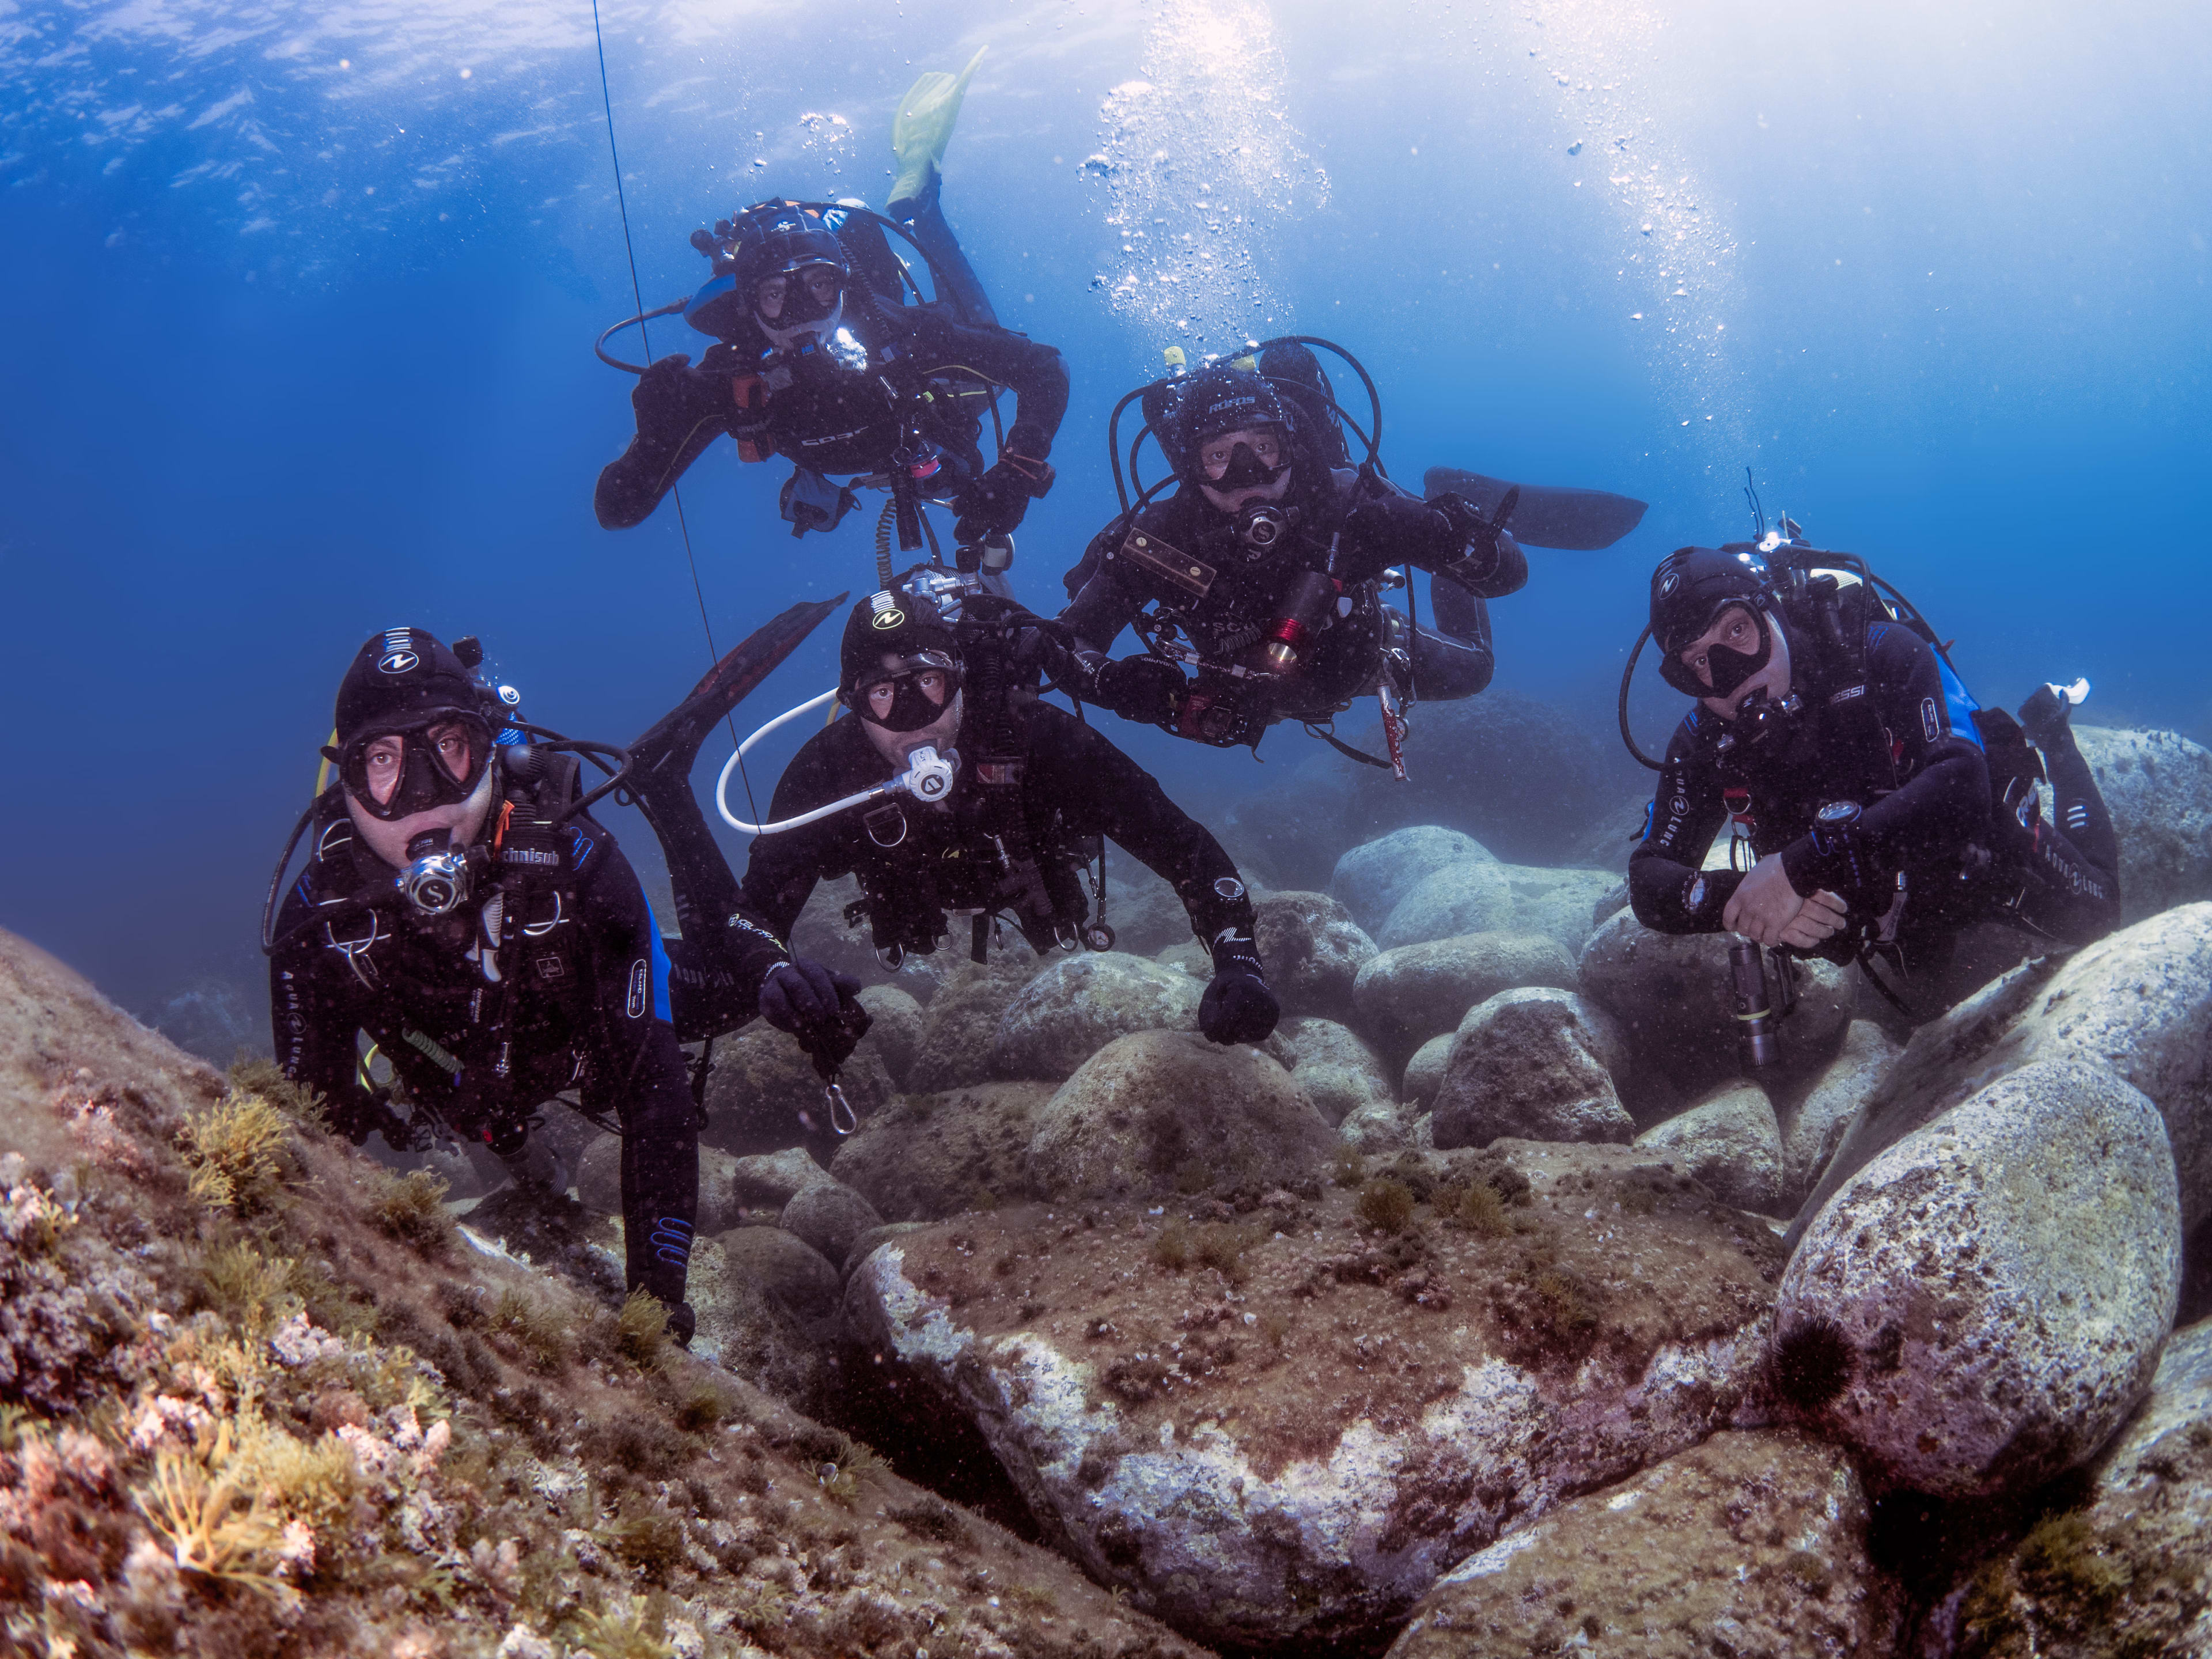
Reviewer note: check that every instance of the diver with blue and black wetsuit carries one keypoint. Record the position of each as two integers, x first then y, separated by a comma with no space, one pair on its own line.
1883,805
820,361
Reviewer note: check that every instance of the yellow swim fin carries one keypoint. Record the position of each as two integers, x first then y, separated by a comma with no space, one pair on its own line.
923,127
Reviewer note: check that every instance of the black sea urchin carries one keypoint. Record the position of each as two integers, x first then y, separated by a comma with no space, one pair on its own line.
1811,1364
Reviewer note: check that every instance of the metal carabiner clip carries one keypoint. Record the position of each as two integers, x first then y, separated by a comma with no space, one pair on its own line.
842,1119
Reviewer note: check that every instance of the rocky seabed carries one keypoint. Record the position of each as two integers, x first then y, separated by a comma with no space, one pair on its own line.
1487,1309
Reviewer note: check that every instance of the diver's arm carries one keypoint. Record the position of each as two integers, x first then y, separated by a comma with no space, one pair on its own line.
1035,373
1668,887
314,1024
782,869
680,411
1101,790
1945,801
1102,608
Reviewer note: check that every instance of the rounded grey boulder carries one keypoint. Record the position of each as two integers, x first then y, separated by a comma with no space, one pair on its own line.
1080,1004
1338,1072
1460,898
1312,950
1157,1111
1981,1306
1424,1072
1403,997
1536,1065
894,1027
1732,1143
829,1216
763,1080
2158,788
1372,877
929,1155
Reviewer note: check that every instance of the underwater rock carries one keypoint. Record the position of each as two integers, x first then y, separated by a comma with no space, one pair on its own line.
769,1181
895,1021
1814,1124
963,1017
1424,1072
1388,1125
1312,950
767,1304
1754,1542
1340,1074
1467,897
2125,1569
763,1080
2138,1001
929,1155
1981,1306
1157,1110
1535,1064
821,935
1672,994
1370,879
1276,1429
1559,903
1731,1143
829,1216
2158,788
1405,996
1142,907
1080,1004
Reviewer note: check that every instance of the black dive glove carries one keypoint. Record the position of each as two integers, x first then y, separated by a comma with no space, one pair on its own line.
1392,529
373,1114
1484,560
1142,689
673,400
818,1007
1238,1007
994,503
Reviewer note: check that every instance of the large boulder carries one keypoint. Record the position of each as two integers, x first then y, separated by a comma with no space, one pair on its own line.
1159,1110
1815,1117
1386,1126
1277,1430
1559,903
1672,994
1751,1543
763,1080
599,1184
1424,1072
1312,950
2158,788
1537,1065
1338,1072
1732,1143
1981,1306
930,1156
2127,1571
1404,996
1370,879
895,1021
1469,897
962,1020
768,1310
827,1217
769,1181
2138,1001
1080,1004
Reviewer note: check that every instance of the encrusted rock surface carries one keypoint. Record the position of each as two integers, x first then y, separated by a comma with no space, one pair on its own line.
1160,1110
962,1018
1079,1004
1424,1072
894,1028
1403,997
1981,1306
829,1216
2158,788
928,1156
763,1080
1815,1117
1468,897
1732,1143
1373,876
1537,1065
2138,1001
1280,1424
1340,1074
1313,949
1751,1543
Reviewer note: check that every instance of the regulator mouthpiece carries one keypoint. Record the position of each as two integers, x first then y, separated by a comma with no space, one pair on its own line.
436,881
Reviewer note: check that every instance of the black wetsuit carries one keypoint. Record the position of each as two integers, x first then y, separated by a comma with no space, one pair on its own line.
581,1003
1912,754
830,415
1246,592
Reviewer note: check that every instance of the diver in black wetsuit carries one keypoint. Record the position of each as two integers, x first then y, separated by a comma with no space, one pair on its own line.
1884,807
496,949
1270,558
1002,800
820,361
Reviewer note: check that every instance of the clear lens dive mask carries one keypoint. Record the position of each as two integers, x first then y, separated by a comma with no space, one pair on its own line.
1243,468
443,773
1728,667
910,707
806,294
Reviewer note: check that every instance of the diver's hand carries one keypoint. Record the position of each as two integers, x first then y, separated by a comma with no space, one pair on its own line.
994,503
1765,907
672,399
1238,1007
1392,529
819,1007
1141,689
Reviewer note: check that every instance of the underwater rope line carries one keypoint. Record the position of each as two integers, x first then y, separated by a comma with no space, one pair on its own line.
630,247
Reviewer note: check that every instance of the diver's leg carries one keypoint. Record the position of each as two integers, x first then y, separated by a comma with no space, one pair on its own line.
956,277
661,1180
2077,805
2075,856
1454,660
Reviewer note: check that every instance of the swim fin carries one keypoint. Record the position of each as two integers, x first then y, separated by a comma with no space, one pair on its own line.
921,129
1545,516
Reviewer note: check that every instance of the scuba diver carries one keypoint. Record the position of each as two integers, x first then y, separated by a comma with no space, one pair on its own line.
950,790
461,907
1265,570
1886,810
820,360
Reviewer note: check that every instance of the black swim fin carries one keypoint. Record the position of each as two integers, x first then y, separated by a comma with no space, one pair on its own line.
1581,521
674,740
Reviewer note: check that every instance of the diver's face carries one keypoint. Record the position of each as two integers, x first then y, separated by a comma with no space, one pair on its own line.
1736,628
1216,454
810,290
386,758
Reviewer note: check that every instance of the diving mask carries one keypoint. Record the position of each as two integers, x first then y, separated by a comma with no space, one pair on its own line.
913,696
1245,466
1731,659
806,294
437,759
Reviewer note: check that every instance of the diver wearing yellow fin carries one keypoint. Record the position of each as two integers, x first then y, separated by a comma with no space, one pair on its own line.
828,355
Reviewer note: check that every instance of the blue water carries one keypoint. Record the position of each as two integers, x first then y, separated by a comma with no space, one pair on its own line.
299,347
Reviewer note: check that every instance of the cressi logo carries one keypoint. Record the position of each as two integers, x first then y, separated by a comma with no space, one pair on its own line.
398,662
891,618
